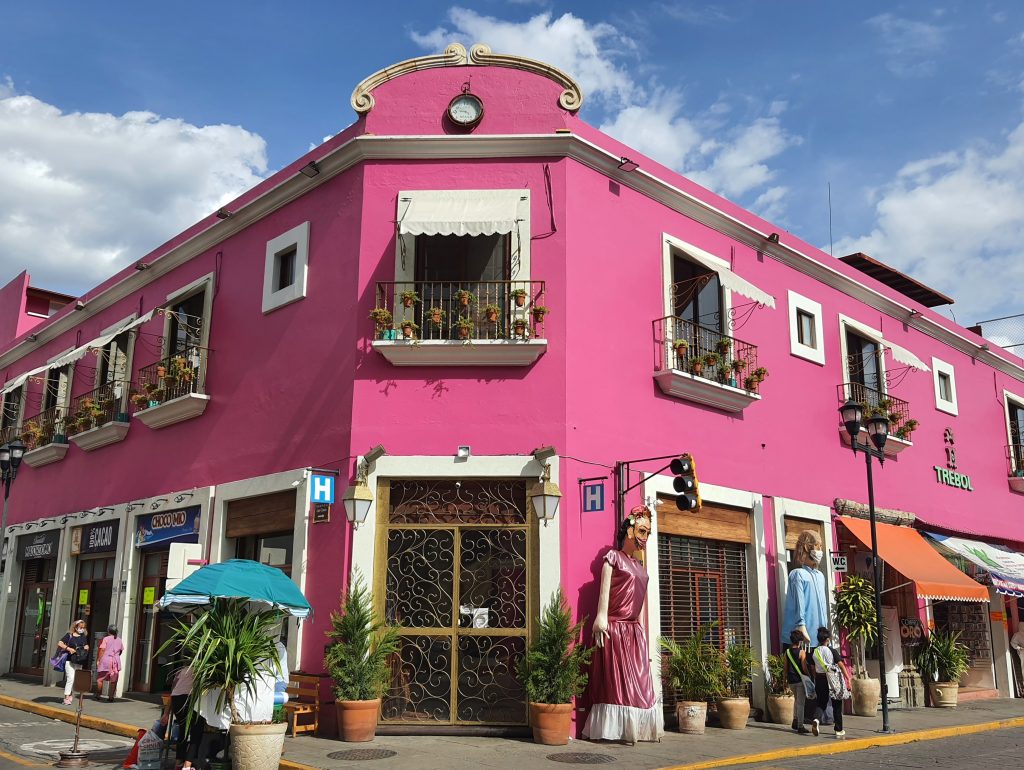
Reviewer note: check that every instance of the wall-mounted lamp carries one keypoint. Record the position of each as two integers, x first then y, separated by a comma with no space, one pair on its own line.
357,500
182,497
224,214
627,165
79,305
374,454
157,503
914,312
545,496
311,169
463,452
141,266
983,347
31,337
132,506
544,453
773,238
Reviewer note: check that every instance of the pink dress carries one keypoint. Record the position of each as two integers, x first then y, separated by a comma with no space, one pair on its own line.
109,664
621,690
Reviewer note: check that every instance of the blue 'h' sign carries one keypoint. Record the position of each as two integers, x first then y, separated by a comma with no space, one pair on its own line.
323,489
593,497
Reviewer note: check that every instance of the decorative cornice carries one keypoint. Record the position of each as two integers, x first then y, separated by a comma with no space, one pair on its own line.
455,55
857,510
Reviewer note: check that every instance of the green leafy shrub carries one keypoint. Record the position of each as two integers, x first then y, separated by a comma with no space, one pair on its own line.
357,658
552,669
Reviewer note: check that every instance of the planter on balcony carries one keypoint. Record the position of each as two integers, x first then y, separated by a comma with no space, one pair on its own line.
893,445
176,410
1016,483
44,455
516,352
108,433
674,382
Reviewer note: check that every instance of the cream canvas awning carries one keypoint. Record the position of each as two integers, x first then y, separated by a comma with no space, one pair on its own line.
1005,566
461,212
899,353
21,379
729,279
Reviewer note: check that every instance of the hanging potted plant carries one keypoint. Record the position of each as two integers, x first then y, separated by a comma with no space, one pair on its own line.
855,614
491,313
552,672
697,365
139,400
539,311
381,317
519,327
409,298
724,345
436,316
464,328
519,295
734,705
711,360
942,661
680,346
908,427
465,298
780,696
409,329
693,668
737,365
357,659
31,434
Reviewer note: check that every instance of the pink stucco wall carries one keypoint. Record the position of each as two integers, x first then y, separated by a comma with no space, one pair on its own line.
302,386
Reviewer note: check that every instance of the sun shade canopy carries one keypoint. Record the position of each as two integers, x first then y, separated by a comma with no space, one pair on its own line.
907,552
728,278
461,212
1005,567
237,579
899,353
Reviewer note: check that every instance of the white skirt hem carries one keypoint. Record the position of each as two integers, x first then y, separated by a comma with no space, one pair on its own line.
611,722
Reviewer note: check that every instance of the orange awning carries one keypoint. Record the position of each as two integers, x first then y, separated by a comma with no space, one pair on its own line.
907,552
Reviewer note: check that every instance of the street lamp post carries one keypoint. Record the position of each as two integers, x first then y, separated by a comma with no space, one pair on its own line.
878,431
10,459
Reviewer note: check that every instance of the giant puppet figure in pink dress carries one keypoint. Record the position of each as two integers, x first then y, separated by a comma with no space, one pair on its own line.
621,689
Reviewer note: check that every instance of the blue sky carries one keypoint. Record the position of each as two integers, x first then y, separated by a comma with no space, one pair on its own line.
120,124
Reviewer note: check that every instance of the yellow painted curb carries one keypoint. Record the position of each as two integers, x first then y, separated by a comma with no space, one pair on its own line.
102,725
853,744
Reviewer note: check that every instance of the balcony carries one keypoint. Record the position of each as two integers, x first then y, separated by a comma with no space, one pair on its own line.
171,390
1015,467
874,402
99,417
705,366
45,437
460,323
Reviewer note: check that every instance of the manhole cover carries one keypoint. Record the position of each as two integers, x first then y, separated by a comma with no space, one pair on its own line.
357,754
582,758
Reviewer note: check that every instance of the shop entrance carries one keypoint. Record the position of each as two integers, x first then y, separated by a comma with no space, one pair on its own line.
36,604
92,598
459,580
153,627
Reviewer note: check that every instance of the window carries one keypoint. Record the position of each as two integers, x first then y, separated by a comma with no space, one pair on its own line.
112,363
945,386
804,329
285,269
696,294
11,414
1015,416
864,367
55,390
185,328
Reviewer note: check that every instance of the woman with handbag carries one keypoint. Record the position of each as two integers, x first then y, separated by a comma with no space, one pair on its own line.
831,682
795,665
76,644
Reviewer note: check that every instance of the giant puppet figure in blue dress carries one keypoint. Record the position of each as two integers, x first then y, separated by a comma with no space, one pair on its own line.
806,600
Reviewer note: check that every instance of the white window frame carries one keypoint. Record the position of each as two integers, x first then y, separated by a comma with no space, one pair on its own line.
941,367
883,386
673,247
297,238
815,353
1019,401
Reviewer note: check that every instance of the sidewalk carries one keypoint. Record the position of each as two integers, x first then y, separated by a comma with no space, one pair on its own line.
717,748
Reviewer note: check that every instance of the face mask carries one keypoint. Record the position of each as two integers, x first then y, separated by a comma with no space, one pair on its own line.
816,556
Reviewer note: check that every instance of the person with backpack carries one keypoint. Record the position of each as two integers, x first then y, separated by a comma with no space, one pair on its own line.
76,644
795,667
831,682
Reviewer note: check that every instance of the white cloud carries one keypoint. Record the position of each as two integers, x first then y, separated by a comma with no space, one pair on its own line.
656,130
696,15
84,194
956,222
909,45
771,203
739,165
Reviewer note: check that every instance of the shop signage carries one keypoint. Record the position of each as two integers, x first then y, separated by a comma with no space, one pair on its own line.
997,617
839,562
322,489
1005,567
149,596
99,537
321,513
40,546
181,525
593,497
911,632
949,475
83,596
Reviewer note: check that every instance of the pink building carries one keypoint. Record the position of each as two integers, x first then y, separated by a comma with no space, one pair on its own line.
183,410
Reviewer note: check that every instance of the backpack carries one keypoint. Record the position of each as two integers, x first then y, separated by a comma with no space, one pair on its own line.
837,689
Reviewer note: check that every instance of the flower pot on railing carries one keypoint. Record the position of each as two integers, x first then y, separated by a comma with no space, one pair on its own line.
491,313
436,316
464,297
519,295
519,327
464,328
539,311
409,330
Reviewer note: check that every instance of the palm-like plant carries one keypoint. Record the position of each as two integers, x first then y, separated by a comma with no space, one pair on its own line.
694,667
943,654
739,665
552,669
775,673
855,614
230,649
357,658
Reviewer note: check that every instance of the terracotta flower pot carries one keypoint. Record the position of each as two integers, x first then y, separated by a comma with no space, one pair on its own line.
257,747
550,722
865,694
520,300
538,316
780,708
733,713
357,719
407,302
692,716
463,333
492,316
407,331
464,301
943,694
435,317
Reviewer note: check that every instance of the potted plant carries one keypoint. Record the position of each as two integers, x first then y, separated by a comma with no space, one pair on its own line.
680,346
780,697
491,313
734,705
357,659
465,298
464,328
712,359
755,378
943,660
539,311
697,365
31,434
904,430
409,329
436,316
693,668
139,400
552,672
409,298
232,651
519,327
855,614
519,295
724,345
381,317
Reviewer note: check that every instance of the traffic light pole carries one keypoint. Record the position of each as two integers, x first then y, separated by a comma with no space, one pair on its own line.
622,478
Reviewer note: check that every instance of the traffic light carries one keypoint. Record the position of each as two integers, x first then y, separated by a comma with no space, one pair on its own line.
685,483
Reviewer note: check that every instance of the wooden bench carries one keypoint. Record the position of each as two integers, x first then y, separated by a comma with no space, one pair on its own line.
303,701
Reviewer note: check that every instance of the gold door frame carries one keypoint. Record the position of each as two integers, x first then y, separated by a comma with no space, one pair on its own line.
455,632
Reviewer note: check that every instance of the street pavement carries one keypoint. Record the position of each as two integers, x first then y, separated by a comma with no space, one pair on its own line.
759,742
30,740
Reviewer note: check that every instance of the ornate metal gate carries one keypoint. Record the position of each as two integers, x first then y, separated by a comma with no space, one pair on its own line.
458,581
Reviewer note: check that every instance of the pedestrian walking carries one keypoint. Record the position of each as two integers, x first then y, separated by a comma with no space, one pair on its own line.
76,644
831,682
798,678
108,664
189,735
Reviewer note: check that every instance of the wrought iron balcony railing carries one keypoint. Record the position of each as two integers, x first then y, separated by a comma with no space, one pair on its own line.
169,378
874,402
705,353
459,310
97,407
9,433
47,427
1015,460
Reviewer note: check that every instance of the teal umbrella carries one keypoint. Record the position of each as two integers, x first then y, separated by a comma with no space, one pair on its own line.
237,579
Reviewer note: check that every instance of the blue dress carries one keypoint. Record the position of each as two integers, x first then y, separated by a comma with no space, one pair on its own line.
806,603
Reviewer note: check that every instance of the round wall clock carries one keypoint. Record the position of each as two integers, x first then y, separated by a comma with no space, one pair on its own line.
466,110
